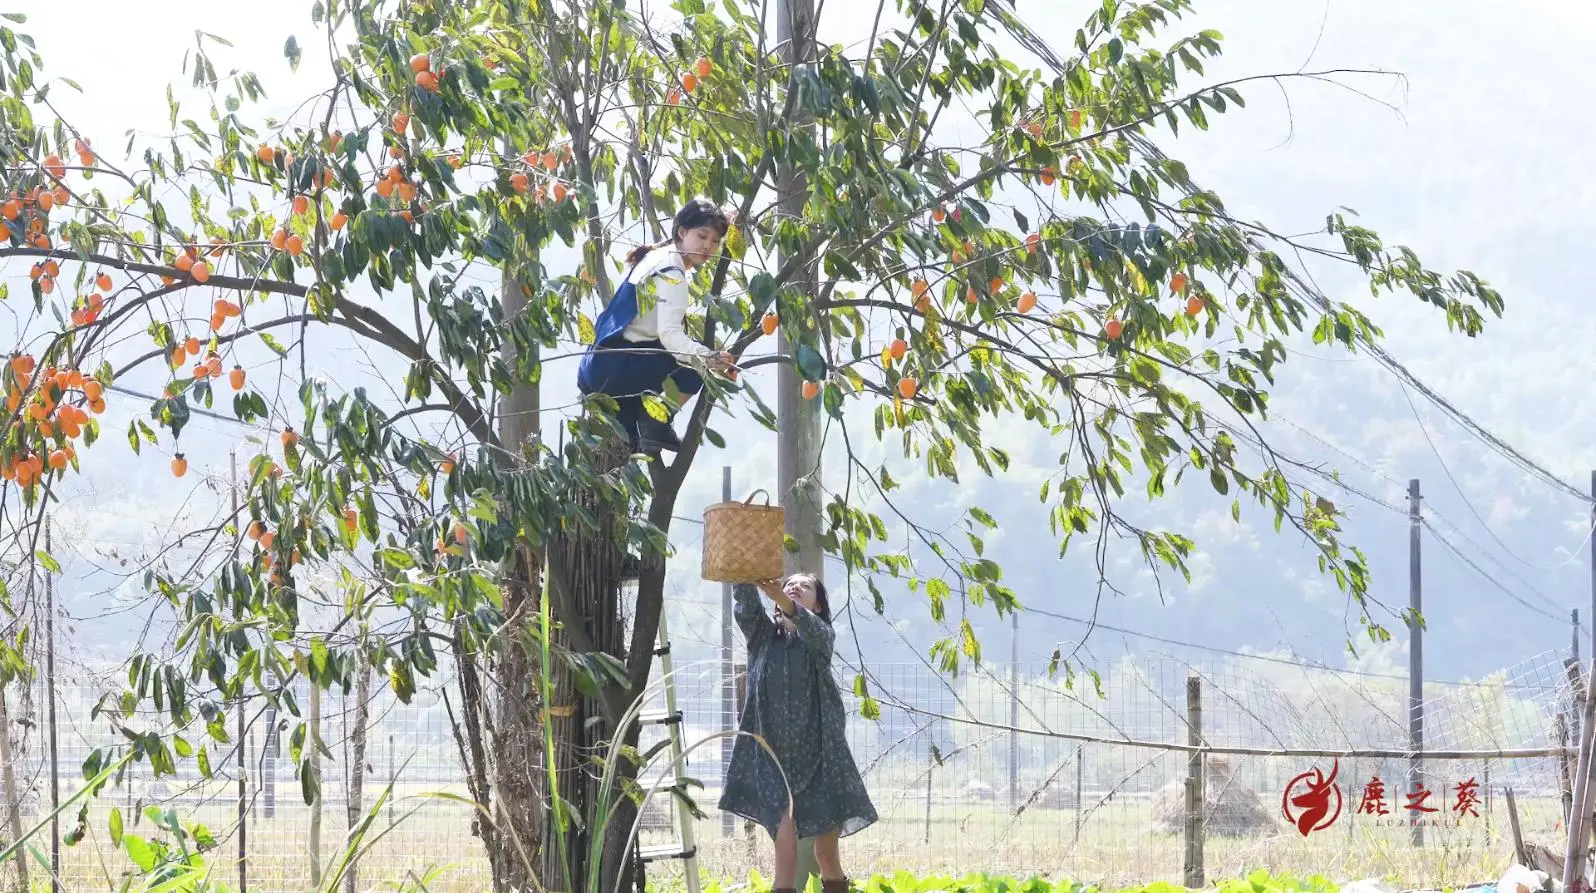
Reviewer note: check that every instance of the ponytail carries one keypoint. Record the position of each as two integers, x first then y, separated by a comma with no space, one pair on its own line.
696,213
641,251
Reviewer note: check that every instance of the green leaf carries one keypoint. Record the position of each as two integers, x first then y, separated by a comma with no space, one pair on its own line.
291,51
116,826
810,363
141,851
656,408
309,781
762,289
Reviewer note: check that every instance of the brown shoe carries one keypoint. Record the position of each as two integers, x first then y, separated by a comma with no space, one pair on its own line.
842,885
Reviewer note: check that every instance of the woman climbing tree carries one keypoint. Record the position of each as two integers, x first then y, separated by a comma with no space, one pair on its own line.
793,703
641,340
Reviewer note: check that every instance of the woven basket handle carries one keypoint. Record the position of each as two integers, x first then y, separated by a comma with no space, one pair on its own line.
750,499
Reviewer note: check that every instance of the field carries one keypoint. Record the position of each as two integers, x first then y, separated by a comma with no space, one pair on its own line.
1113,849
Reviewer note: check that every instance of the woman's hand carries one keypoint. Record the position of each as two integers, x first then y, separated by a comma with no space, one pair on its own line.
722,363
772,591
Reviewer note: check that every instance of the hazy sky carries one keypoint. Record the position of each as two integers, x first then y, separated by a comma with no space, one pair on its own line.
1465,157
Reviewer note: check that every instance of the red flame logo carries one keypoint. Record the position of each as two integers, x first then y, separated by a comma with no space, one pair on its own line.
1312,800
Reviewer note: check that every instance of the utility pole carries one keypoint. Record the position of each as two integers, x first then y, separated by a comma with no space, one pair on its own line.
1592,568
728,694
797,419
49,684
1415,653
243,788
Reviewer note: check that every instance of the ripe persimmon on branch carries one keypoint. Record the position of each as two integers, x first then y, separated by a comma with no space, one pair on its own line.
1125,319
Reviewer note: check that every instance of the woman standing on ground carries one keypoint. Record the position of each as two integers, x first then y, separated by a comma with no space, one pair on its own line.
793,703
640,340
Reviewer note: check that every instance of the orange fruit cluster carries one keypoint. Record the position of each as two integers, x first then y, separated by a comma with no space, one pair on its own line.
425,77
44,403
27,216
549,161
690,80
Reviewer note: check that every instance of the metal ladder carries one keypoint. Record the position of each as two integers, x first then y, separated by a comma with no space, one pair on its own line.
686,847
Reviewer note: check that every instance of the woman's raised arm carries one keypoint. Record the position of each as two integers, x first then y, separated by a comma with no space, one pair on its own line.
756,625
814,632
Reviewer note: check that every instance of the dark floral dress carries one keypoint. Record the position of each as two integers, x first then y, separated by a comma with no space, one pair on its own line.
794,704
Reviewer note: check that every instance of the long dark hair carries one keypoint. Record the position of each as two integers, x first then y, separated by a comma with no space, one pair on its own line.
696,213
822,602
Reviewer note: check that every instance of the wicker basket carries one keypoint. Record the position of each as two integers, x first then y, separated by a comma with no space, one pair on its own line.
743,541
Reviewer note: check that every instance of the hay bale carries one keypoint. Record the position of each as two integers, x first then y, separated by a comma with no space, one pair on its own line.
978,791
1059,794
1230,809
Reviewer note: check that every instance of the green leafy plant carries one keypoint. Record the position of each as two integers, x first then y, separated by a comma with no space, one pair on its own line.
1048,266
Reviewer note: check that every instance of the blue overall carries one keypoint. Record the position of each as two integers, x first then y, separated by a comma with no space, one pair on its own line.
626,370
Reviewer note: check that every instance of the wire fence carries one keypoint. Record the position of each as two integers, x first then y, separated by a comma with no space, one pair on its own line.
1002,769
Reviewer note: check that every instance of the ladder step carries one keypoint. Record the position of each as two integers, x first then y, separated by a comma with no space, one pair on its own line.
666,852
660,719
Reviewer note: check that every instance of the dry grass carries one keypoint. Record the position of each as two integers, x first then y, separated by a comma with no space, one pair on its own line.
1114,847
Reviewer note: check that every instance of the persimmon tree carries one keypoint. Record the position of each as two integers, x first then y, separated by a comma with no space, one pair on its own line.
995,238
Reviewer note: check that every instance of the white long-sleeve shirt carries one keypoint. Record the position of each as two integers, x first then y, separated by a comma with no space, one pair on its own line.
662,302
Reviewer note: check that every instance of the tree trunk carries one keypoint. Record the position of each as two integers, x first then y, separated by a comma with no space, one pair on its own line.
514,714
357,765
475,715
588,614
594,566
518,758
13,797
315,766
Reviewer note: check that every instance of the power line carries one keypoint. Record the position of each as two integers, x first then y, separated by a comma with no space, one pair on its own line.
1386,504
1374,499
1466,560
1445,469
1265,658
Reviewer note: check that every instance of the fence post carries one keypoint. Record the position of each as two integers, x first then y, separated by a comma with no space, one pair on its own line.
930,771
740,689
729,717
393,779
268,763
1080,787
1195,790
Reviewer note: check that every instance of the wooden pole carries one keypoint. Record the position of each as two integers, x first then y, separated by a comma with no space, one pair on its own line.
1415,653
729,717
49,695
797,419
1519,851
1195,782
243,786
1574,853
1564,776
